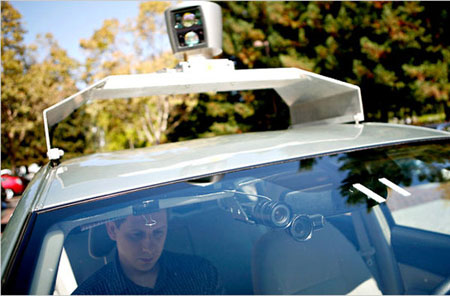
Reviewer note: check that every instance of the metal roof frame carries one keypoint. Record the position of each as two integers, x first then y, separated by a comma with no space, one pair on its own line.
312,98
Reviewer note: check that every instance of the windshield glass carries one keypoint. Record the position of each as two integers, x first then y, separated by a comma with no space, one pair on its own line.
373,221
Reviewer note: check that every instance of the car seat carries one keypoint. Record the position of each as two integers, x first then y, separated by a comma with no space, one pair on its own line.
99,243
325,264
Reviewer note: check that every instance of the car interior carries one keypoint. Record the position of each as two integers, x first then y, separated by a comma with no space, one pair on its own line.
349,249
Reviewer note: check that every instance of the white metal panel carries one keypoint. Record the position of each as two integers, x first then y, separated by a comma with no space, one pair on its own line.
141,85
312,98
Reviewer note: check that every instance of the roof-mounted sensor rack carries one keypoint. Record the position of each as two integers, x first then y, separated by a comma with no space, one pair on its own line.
311,98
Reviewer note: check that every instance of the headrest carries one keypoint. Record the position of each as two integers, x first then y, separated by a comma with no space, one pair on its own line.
99,243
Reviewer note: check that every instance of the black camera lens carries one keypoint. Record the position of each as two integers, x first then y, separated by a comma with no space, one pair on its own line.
281,215
272,213
301,228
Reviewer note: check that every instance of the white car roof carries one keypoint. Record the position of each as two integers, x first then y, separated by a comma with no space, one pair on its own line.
101,174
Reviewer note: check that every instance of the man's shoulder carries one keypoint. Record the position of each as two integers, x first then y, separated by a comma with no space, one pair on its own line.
189,266
190,274
99,282
185,261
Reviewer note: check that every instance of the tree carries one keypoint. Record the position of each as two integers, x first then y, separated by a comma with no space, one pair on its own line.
136,122
13,63
29,85
396,51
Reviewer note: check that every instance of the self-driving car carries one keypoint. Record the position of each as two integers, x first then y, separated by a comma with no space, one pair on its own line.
331,205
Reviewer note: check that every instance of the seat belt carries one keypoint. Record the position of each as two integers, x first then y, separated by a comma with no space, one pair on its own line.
366,250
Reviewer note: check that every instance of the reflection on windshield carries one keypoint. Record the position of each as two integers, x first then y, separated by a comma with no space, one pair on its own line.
400,166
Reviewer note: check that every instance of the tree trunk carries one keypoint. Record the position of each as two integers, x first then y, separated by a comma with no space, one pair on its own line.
447,110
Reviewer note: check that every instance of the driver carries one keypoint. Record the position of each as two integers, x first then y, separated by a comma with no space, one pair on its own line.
141,266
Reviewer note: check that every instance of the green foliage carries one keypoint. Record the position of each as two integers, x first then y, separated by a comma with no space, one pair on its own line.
28,86
136,122
398,52
234,112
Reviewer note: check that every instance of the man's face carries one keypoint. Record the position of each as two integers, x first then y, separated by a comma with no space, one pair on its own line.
140,240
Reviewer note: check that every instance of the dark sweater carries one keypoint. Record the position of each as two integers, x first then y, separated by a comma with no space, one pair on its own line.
178,274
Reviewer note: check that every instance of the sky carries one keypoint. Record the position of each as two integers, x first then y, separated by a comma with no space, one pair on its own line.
70,21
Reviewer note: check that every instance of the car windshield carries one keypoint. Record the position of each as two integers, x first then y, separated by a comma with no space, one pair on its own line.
371,222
